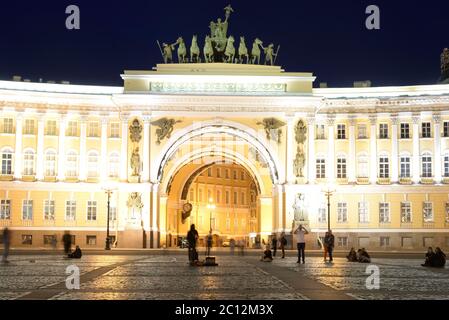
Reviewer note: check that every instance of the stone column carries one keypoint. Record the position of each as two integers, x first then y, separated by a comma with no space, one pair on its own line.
124,149
373,149
146,148
416,141
394,149
104,148
352,151
40,148
18,149
61,147
83,156
154,216
290,149
311,149
330,174
437,146
279,223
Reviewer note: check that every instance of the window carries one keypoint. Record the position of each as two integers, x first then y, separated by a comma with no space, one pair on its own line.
405,131
5,209
6,162
70,210
320,168
362,166
91,240
363,212
72,164
427,212
27,210
209,172
384,242
361,131
405,167
406,212
49,239
235,198
227,197
50,129
50,163
342,241
49,210
227,173
72,129
446,129
113,214
234,174
27,239
384,212
242,175
242,198
28,163
320,132
426,162
341,131
114,165
114,130
446,166
383,131
92,164
322,213
8,126
218,173
426,130
91,210
93,129
384,167
341,167
342,212
29,127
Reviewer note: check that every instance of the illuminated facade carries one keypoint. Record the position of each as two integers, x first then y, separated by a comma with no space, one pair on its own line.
384,150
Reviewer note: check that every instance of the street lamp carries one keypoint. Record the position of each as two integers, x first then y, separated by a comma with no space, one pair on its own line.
328,192
211,206
109,192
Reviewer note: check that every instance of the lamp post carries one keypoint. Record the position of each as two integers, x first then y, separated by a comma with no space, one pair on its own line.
211,206
328,193
108,244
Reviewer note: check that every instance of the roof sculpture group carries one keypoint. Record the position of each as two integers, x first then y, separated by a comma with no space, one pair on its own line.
219,47
445,65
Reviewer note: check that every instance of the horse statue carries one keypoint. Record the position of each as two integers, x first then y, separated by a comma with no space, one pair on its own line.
195,51
243,51
255,52
230,50
182,50
208,50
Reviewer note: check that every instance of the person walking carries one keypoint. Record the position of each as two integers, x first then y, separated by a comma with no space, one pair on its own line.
67,241
299,234
192,238
6,244
283,244
329,241
274,244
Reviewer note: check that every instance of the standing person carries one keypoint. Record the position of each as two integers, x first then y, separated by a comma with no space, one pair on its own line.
299,234
6,244
208,243
192,237
283,241
67,241
274,243
232,246
329,241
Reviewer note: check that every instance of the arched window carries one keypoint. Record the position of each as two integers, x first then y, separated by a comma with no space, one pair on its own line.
405,166
28,162
362,166
72,164
50,163
341,167
426,164
92,164
384,166
114,165
6,158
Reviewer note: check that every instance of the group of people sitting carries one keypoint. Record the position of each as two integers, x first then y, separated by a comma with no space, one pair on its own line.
267,255
435,259
361,256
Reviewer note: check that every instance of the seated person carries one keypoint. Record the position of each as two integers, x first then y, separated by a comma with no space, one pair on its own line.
363,256
352,256
429,257
438,259
267,256
76,254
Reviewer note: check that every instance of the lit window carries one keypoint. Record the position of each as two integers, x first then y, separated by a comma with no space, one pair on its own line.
406,212
383,131
227,173
384,167
384,212
446,166
322,213
72,129
209,172
426,162
341,131
405,131
91,240
218,173
27,210
405,167
427,212
113,214
363,212
5,209
227,197
8,126
50,163
242,199
342,212
114,165
70,210
92,164
426,130
362,133
320,168
242,175
49,210
27,239
341,168
342,241
6,162
384,242
320,132
115,130
234,174
72,164
362,166
235,198
91,210
93,129
28,163
29,127
50,129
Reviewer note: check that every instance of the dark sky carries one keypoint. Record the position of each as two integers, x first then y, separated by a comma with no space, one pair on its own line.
327,38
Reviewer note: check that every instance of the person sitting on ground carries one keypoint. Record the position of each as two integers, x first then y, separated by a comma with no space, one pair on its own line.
429,258
352,256
438,259
267,256
363,256
76,254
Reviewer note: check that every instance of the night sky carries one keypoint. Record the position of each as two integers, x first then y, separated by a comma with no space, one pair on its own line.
328,38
